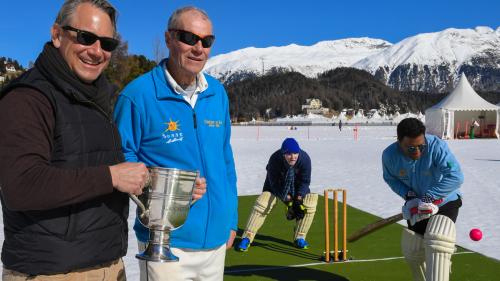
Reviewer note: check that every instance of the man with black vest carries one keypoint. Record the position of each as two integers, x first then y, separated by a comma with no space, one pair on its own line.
63,190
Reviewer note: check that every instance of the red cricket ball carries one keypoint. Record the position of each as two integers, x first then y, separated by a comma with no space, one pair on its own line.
475,234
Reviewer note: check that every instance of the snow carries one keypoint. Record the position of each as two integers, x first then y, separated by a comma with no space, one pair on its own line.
339,161
451,47
375,118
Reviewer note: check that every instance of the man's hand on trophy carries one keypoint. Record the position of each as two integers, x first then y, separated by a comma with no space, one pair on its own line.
129,177
200,188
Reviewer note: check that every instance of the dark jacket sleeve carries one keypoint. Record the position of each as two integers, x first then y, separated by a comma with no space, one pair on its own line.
303,172
275,174
27,180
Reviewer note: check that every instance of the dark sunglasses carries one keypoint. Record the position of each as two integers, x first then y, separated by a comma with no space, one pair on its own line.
191,39
88,38
413,149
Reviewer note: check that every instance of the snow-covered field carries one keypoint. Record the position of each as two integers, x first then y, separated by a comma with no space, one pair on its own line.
339,161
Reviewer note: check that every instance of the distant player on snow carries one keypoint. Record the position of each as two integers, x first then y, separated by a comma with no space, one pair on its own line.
288,178
422,170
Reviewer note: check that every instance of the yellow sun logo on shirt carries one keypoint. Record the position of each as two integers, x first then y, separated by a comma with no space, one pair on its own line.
402,172
172,126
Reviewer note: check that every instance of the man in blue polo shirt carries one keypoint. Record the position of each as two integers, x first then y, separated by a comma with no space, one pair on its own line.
421,169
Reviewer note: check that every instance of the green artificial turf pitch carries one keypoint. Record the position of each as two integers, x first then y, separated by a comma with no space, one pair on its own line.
377,256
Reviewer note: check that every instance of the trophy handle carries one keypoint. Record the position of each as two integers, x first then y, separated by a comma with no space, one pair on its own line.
139,204
136,199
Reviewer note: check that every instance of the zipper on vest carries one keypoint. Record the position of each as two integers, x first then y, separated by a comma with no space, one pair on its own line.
194,120
72,222
114,129
93,104
108,118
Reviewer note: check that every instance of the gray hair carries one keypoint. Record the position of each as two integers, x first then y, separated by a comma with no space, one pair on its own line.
173,21
69,7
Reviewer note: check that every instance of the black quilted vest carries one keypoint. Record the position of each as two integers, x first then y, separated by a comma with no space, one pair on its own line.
74,236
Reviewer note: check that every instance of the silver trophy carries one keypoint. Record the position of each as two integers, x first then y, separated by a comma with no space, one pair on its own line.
164,206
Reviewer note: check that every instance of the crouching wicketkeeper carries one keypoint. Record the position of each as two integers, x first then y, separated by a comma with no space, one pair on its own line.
288,178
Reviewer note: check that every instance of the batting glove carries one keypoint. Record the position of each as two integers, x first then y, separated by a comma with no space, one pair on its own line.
423,210
429,206
410,208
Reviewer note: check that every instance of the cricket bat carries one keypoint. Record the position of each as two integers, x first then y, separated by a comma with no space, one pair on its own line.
374,227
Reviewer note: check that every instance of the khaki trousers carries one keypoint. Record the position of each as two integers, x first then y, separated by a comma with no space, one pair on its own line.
193,265
114,271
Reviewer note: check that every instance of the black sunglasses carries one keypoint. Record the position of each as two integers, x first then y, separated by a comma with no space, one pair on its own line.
88,38
413,149
191,39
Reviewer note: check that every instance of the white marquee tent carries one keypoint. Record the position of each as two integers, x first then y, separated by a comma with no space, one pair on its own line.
453,115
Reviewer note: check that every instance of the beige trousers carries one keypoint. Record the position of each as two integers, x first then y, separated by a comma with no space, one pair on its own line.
193,265
114,271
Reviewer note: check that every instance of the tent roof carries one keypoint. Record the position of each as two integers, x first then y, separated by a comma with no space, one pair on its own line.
463,97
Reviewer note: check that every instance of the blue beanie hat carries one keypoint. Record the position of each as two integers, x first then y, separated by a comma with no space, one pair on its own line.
290,145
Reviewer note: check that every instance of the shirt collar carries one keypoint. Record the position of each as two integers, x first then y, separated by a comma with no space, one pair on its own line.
201,86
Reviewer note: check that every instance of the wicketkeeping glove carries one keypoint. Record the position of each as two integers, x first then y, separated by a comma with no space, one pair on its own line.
290,213
299,209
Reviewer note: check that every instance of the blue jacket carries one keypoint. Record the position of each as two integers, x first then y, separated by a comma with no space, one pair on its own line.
436,173
277,168
159,128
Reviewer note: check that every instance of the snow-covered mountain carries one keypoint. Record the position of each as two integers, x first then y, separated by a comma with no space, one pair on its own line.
425,62
308,60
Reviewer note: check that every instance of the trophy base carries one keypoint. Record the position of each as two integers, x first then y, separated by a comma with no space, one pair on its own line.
157,253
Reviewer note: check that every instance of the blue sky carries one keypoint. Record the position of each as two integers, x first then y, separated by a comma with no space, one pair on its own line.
238,24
